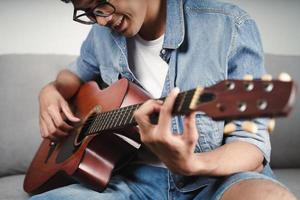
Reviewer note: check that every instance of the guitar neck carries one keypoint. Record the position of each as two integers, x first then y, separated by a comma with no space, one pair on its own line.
123,117
229,99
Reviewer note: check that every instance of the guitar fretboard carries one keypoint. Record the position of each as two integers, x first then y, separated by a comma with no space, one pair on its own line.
123,117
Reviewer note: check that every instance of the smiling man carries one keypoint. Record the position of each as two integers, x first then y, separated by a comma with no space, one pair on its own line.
164,46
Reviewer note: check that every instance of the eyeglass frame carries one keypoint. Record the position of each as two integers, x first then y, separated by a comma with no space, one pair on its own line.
92,13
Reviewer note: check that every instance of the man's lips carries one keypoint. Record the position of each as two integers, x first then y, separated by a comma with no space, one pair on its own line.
119,24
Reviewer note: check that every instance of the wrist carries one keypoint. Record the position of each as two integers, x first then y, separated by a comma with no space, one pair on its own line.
203,165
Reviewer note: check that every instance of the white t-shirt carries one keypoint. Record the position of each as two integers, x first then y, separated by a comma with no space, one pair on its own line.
151,70
146,64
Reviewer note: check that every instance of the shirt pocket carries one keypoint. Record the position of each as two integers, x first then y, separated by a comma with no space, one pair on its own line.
210,133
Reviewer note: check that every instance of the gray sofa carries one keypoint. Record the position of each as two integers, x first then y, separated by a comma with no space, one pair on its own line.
21,78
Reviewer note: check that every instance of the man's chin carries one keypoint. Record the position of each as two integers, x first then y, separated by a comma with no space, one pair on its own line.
127,33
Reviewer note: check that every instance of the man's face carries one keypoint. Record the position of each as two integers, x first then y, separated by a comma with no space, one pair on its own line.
127,19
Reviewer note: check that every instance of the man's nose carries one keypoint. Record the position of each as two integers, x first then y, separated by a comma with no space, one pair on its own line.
103,21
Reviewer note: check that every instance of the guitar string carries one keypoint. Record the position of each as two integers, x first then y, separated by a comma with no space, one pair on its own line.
122,110
129,109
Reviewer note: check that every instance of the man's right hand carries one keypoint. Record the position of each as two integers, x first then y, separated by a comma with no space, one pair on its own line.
54,112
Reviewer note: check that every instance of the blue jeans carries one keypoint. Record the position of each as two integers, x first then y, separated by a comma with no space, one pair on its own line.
148,182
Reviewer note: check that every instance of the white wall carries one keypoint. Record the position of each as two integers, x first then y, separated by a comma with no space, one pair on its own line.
278,21
39,26
46,26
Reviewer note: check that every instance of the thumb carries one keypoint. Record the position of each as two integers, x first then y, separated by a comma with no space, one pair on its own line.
67,111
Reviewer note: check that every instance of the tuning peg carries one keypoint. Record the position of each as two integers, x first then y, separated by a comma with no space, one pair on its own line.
284,77
266,77
249,126
271,125
248,77
229,128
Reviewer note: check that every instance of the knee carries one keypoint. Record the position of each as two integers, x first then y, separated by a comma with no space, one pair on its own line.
257,189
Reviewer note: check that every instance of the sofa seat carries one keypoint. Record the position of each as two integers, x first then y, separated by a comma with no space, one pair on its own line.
289,177
23,76
11,188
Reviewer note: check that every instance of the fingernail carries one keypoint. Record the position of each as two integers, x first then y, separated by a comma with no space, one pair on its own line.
176,89
159,101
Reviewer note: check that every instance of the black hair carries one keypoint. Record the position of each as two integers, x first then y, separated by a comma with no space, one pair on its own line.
66,1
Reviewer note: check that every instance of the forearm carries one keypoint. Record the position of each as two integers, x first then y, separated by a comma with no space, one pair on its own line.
228,159
67,83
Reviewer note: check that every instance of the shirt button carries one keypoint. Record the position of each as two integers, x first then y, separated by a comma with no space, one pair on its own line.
163,51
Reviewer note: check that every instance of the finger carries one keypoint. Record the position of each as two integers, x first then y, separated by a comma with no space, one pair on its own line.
51,129
58,120
43,128
67,111
45,133
190,133
166,110
59,133
143,113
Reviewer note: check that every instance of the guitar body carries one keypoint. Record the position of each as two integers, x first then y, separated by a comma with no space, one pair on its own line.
90,159
97,146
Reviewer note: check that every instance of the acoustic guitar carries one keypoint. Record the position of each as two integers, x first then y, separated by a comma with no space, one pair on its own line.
107,136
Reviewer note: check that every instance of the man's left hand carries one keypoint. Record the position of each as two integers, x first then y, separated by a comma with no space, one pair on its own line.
176,151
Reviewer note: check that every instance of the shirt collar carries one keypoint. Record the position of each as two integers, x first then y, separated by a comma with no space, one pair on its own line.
174,34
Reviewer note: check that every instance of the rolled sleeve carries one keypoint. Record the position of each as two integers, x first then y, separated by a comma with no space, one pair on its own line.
261,139
86,65
246,57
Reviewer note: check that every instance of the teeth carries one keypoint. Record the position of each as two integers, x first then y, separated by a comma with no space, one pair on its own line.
118,22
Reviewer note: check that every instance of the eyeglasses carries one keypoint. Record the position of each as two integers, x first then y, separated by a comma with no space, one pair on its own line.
88,17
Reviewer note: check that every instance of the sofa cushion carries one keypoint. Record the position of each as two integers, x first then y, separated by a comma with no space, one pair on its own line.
290,178
285,139
11,188
21,78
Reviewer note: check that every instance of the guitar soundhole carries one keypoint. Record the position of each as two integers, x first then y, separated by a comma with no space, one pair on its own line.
85,129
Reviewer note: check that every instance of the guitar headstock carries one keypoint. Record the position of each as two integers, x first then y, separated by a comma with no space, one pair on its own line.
248,98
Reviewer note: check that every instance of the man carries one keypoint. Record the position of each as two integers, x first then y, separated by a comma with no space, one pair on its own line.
161,45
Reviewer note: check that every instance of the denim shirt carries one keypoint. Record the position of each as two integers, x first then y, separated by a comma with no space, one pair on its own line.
206,41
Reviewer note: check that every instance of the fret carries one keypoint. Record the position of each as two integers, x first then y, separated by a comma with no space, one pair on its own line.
98,121
181,100
94,128
101,121
111,119
132,117
121,115
188,100
123,112
127,114
106,120
117,115
91,127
